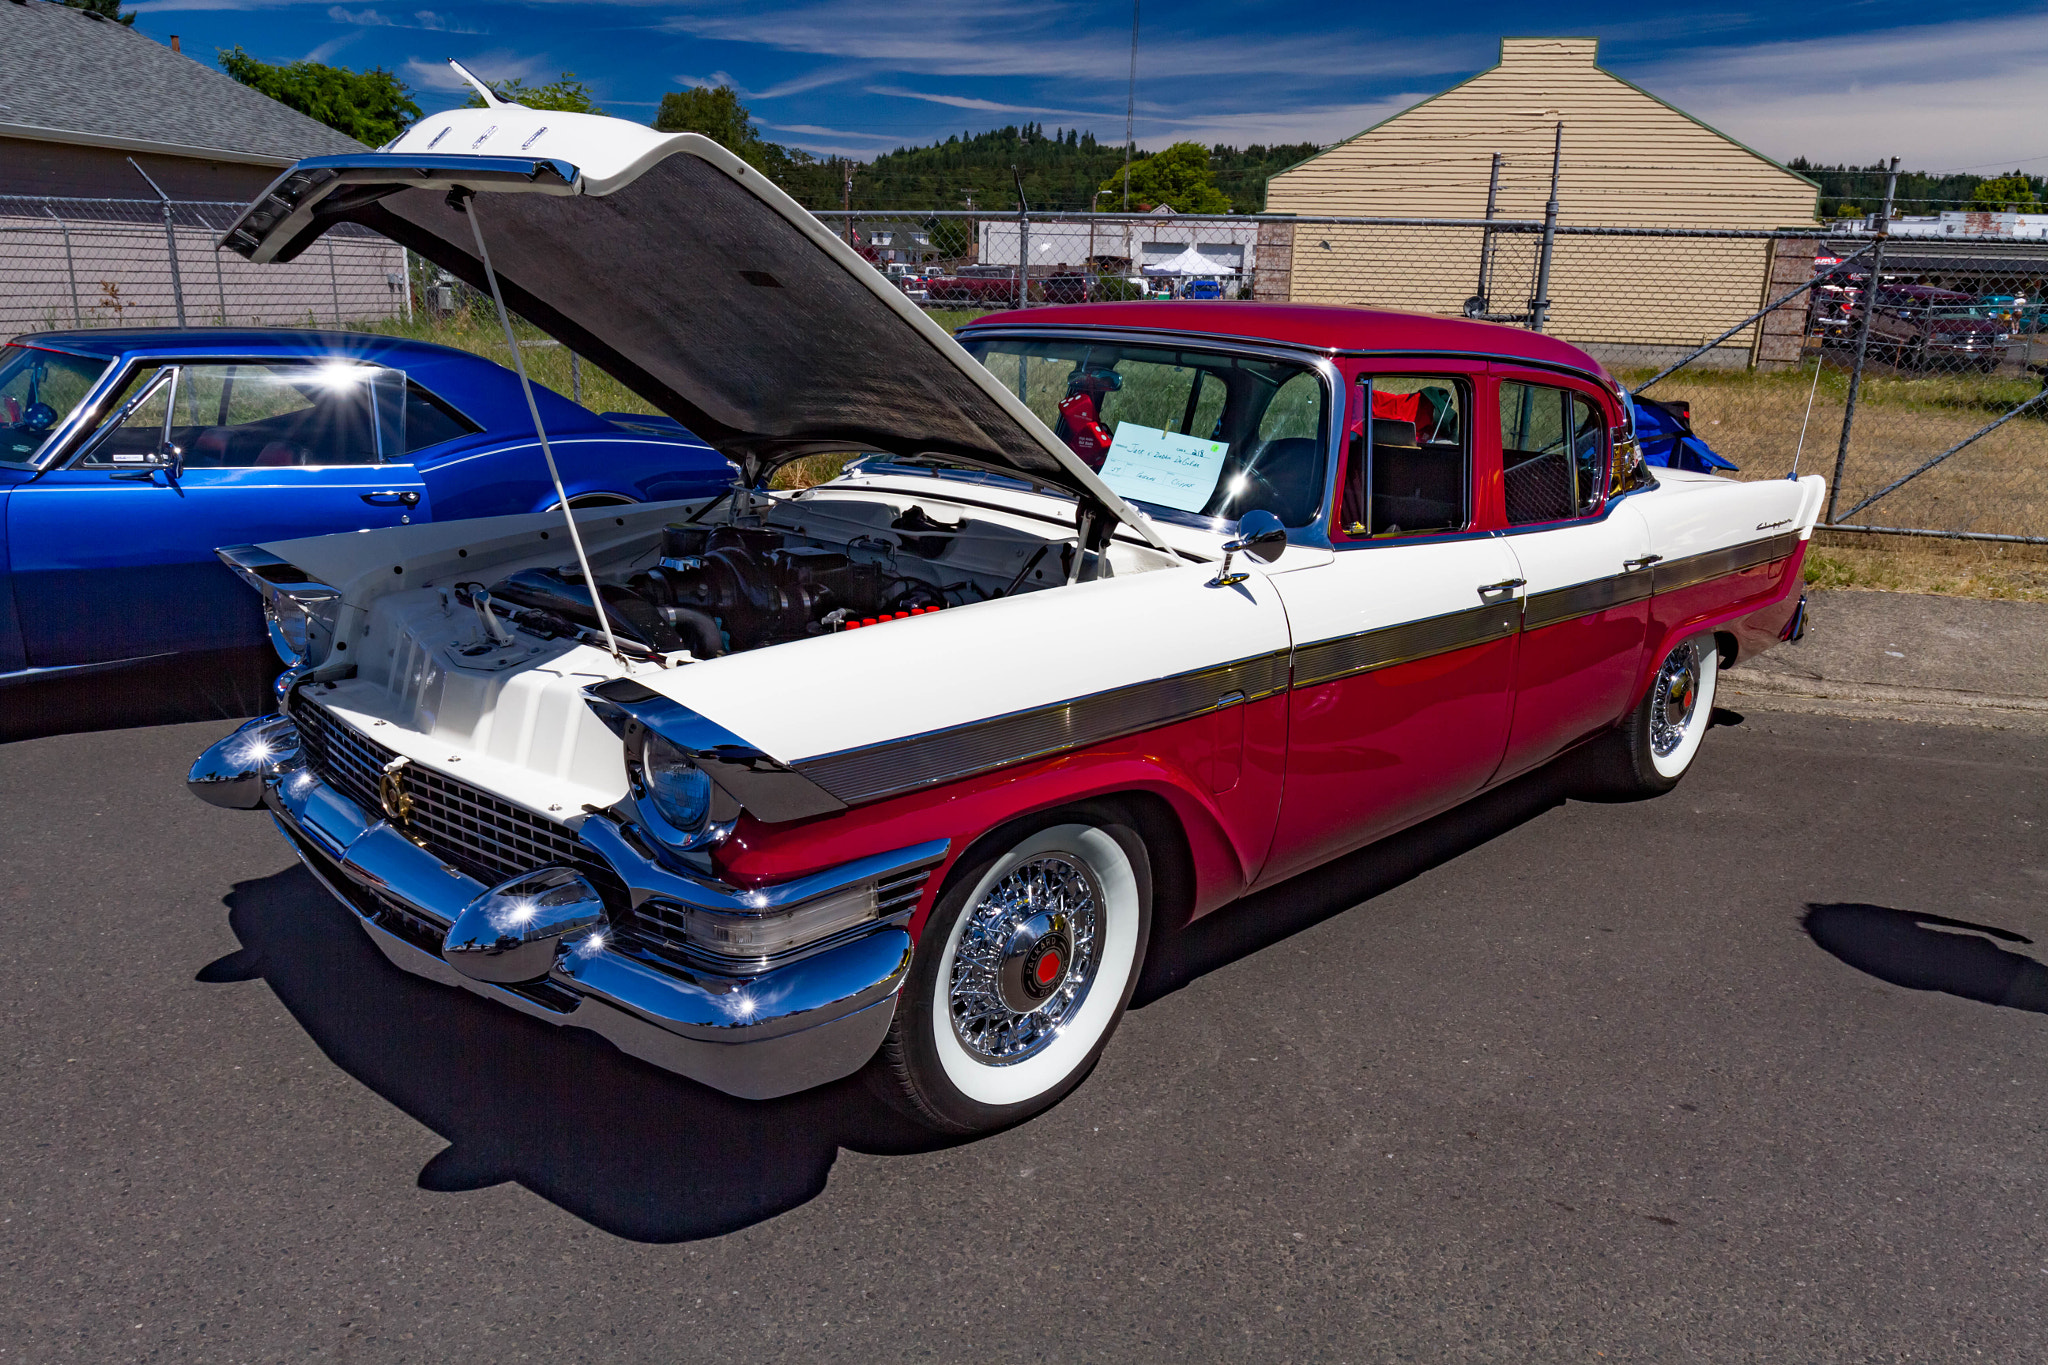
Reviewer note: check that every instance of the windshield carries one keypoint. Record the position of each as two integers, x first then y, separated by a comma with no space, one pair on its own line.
38,389
1177,429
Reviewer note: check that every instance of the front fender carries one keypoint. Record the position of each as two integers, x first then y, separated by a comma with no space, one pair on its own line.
1227,835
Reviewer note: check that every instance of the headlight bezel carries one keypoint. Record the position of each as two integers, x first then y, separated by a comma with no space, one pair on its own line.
654,764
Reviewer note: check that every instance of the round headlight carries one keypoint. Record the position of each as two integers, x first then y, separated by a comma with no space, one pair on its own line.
681,790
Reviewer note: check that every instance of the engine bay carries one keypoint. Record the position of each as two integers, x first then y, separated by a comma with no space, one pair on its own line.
772,570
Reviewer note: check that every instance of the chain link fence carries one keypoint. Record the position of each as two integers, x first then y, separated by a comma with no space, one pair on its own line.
72,263
1908,370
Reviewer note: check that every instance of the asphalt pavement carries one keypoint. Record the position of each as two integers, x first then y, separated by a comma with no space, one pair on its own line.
1754,1071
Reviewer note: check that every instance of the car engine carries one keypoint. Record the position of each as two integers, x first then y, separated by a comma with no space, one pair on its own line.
730,587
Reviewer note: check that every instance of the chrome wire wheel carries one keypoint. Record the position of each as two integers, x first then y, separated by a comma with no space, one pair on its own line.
1026,968
1026,958
1674,701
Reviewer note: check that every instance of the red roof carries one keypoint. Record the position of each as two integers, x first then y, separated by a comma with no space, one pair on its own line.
1309,324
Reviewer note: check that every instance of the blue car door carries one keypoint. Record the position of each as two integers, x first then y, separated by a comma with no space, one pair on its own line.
112,554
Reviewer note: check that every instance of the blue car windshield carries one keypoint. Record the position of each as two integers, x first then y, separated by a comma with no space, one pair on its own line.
38,390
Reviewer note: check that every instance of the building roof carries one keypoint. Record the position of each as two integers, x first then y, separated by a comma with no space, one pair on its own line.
1629,158
66,76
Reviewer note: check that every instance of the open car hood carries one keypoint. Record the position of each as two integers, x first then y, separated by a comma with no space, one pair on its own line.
689,277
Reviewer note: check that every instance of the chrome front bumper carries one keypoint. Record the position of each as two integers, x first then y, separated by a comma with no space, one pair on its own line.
757,1036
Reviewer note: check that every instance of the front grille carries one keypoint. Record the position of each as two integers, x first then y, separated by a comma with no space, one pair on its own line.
659,928
480,834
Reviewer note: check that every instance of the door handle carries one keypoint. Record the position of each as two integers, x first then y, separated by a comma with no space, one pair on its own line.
1631,565
393,497
1505,585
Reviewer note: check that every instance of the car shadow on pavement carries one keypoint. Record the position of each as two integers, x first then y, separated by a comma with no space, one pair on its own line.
1917,951
625,1146
222,686
653,1157
1266,917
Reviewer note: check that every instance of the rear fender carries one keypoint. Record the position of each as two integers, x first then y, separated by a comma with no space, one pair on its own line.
1746,611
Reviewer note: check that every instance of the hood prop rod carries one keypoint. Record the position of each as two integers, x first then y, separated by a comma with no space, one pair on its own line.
465,202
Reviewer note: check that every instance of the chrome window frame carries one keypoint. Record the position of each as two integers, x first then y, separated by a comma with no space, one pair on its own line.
78,442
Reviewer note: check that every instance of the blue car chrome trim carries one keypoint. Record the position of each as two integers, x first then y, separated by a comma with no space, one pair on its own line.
756,1034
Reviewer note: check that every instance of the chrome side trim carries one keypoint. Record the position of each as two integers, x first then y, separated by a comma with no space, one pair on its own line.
1583,599
1674,574
1328,660
874,771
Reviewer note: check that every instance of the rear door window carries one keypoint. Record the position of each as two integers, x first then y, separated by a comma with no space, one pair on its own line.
1553,453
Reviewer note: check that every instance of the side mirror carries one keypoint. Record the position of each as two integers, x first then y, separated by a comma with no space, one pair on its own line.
1260,535
171,459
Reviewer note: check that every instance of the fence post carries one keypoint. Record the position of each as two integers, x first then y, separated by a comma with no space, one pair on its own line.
1539,307
1484,298
1884,228
220,286
333,281
70,266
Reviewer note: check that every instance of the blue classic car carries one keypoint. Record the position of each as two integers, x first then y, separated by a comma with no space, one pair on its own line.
127,456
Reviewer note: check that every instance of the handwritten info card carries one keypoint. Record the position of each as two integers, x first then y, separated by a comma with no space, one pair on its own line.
1162,468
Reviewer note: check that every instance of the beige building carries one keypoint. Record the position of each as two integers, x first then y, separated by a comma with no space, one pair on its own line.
1629,160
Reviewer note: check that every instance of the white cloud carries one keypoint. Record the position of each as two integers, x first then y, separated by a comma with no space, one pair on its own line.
1936,96
332,46
494,67
1036,37
796,85
985,106
425,20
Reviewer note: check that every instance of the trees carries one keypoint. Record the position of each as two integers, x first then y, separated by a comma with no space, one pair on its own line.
716,112
567,94
371,106
105,9
1178,177
2010,193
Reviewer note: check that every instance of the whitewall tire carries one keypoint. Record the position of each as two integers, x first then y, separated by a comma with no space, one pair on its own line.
1022,973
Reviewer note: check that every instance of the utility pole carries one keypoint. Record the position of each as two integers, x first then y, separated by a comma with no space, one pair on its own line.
1884,229
1131,108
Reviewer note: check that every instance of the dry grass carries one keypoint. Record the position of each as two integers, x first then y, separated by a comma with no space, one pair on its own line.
1999,484
1953,568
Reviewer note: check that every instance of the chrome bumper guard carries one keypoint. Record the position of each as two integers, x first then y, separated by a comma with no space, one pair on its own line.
758,1034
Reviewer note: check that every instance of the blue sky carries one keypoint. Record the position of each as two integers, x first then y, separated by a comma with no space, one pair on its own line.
1854,81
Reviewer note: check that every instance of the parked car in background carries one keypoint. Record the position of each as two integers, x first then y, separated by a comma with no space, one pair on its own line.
914,281
1920,327
126,457
905,771
986,285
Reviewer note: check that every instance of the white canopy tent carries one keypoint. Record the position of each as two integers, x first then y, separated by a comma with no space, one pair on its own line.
1189,262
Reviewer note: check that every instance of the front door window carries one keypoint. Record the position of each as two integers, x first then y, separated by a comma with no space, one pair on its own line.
259,415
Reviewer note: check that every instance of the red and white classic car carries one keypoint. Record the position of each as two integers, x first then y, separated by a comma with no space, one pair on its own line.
1128,610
